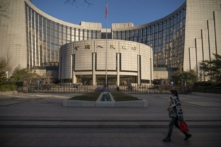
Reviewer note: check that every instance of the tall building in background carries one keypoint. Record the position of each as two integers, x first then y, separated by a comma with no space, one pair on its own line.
184,38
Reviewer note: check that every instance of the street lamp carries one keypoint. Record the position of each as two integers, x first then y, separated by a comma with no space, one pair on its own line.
6,74
200,77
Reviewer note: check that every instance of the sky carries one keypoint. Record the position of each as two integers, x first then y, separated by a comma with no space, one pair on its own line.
119,11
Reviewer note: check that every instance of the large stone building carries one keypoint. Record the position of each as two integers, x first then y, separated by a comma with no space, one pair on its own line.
187,36
86,62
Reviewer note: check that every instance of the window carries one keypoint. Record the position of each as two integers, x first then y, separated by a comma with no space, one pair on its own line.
131,33
115,35
85,34
152,29
123,35
99,35
140,33
160,27
156,29
118,34
93,34
72,31
89,34
127,35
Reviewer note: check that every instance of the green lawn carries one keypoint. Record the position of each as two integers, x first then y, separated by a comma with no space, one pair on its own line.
90,96
93,96
119,96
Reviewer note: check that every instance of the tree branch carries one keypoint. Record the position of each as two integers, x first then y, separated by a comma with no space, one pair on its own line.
4,9
77,1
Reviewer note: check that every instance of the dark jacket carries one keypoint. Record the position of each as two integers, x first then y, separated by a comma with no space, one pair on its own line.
175,109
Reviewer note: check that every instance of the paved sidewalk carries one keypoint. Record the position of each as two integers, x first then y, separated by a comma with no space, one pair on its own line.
104,124
104,137
46,110
36,120
48,107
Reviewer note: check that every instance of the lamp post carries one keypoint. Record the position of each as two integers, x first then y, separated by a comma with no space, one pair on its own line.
200,76
182,85
6,75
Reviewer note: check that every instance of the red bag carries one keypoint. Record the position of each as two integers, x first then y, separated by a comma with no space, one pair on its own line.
183,126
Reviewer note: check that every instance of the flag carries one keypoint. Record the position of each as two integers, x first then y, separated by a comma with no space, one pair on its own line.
106,11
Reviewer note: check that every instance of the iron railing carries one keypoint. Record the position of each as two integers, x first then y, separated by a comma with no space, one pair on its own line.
71,88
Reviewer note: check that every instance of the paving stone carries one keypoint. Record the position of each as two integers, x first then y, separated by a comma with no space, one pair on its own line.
95,143
157,142
105,142
136,142
126,143
73,143
114,135
84,143
115,143
123,135
146,143
155,135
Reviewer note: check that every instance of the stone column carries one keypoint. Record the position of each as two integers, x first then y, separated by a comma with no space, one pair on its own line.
73,69
74,80
118,69
151,71
138,69
93,69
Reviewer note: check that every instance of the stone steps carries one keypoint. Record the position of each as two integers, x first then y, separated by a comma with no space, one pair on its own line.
101,124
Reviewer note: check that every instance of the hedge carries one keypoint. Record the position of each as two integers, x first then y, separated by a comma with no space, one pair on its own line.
8,88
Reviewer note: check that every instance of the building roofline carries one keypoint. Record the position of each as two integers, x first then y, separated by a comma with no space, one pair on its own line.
82,25
153,22
98,26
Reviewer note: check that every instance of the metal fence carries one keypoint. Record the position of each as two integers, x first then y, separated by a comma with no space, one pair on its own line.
54,88
146,89
71,88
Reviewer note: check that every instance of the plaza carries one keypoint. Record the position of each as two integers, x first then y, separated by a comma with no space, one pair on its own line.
41,120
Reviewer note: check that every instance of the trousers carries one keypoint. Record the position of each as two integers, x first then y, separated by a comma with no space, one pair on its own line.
173,121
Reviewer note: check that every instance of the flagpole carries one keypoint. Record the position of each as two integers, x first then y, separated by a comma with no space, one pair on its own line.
106,42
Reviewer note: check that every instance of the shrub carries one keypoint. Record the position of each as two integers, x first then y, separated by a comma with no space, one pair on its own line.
8,87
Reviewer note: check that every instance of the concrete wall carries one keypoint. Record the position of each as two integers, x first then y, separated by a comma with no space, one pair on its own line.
202,32
13,33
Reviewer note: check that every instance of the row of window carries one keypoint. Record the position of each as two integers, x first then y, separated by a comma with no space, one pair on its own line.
44,38
44,34
166,39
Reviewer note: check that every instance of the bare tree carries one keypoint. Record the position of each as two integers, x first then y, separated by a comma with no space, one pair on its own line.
4,9
48,77
8,62
76,2
33,77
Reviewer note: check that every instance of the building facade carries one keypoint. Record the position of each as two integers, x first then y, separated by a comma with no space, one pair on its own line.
183,38
86,62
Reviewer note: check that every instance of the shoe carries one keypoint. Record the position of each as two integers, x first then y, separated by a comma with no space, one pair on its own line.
167,139
187,136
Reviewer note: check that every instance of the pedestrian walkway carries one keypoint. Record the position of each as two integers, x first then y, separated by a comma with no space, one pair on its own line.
41,120
104,137
102,124
48,107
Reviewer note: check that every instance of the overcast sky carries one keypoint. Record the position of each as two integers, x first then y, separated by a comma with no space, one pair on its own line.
119,11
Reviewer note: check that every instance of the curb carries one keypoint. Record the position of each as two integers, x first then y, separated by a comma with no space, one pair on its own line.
8,92
101,124
206,94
